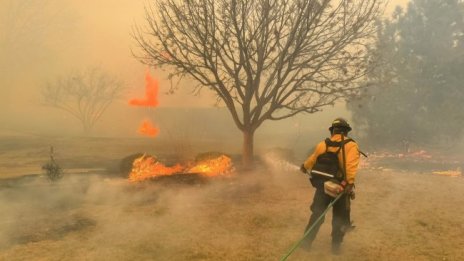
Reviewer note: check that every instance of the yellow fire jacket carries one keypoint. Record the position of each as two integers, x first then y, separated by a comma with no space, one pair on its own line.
351,155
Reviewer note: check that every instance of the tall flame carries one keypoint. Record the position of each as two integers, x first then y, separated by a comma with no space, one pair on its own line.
150,100
151,93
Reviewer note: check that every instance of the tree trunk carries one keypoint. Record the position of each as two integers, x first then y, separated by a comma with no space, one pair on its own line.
247,155
87,127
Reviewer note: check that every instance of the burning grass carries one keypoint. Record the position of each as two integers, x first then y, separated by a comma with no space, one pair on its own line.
246,217
435,162
148,167
256,216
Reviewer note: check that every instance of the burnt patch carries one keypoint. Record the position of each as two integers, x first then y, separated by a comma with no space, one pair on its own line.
182,179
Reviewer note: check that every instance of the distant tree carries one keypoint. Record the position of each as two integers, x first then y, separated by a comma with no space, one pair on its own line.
85,95
265,59
419,87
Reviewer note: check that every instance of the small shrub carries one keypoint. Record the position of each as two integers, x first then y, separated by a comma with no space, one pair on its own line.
53,171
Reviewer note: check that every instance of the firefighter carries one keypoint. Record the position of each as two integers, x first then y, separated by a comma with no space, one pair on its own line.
335,159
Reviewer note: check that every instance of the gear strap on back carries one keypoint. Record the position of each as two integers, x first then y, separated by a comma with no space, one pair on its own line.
341,146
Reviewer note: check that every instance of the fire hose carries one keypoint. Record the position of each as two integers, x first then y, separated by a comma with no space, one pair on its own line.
298,243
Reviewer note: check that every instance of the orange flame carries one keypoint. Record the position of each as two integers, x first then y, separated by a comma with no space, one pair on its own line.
213,167
147,167
150,100
151,93
148,129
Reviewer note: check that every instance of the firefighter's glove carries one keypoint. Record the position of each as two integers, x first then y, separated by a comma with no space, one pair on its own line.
303,169
348,188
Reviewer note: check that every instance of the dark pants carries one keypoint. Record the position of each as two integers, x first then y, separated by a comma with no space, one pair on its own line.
340,219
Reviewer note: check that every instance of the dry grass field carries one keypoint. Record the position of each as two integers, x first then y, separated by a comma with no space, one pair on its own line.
94,215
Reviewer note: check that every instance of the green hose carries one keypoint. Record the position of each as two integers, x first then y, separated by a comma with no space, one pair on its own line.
297,244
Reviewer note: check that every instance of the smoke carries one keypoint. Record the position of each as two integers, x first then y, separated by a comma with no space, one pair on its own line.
101,217
401,212
249,216
112,218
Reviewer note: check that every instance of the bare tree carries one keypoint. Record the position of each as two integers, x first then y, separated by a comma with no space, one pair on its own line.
85,95
265,59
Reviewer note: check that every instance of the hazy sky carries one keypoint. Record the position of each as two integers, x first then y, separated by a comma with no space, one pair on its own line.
104,39
74,35
97,33
104,29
